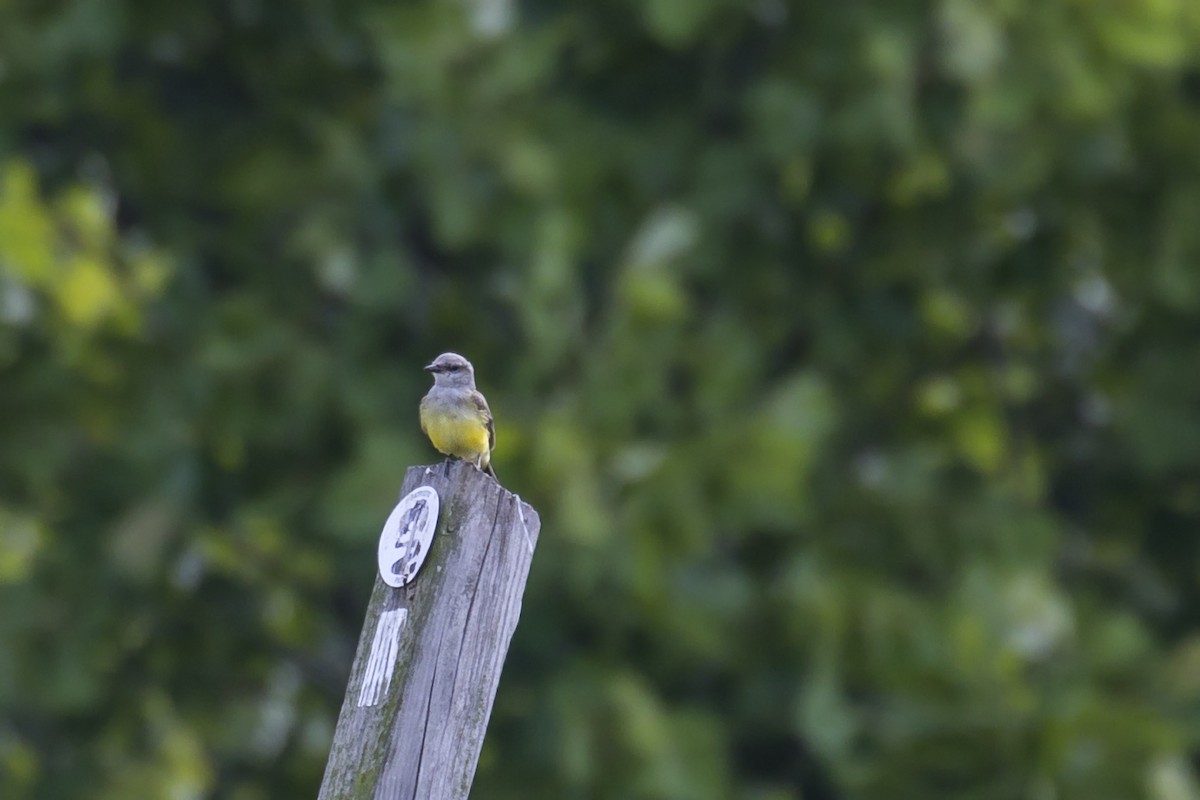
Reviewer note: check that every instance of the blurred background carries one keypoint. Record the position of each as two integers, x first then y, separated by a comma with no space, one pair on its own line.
850,352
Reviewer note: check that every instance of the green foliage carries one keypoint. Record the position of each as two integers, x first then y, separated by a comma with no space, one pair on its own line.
849,353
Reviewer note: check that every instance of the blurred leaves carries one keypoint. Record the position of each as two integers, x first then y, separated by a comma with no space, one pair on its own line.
69,252
847,353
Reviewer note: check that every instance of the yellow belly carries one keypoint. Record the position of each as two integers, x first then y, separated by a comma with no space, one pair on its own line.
461,437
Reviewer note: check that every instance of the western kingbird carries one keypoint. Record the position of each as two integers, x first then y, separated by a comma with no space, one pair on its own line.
454,414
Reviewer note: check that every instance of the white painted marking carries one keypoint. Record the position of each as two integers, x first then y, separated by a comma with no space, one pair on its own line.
407,536
524,525
381,662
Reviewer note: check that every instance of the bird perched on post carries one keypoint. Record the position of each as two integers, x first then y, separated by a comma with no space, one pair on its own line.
455,416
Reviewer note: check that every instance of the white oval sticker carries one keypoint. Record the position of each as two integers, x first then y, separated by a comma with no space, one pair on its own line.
407,535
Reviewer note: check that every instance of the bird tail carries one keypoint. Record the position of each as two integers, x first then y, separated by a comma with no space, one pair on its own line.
488,469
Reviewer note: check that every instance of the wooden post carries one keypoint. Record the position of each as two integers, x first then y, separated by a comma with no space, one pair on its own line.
430,654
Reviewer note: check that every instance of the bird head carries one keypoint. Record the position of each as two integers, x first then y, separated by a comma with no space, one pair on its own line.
451,369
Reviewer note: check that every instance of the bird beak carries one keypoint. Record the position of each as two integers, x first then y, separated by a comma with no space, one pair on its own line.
431,368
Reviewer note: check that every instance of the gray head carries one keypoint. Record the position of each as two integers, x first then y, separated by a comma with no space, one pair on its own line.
452,370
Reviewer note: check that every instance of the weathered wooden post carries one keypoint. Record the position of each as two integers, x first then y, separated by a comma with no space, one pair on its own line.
430,654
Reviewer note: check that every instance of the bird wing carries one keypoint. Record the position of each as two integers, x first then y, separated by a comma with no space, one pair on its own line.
486,413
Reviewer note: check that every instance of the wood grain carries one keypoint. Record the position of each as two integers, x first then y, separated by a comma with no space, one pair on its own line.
422,737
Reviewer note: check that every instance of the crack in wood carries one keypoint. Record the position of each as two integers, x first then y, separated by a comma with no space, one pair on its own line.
428,716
